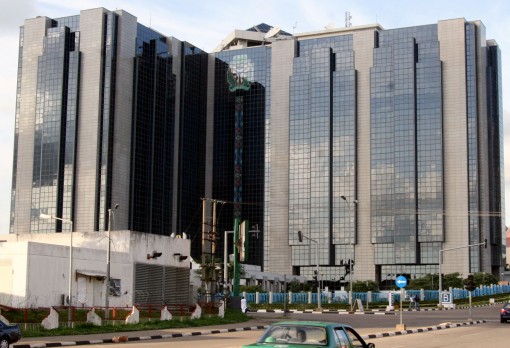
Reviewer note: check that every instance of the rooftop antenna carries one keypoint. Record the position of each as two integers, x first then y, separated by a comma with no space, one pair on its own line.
348,19
294,28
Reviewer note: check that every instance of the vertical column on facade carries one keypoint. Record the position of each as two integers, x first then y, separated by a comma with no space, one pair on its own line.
363,47
121,161
89,119
451,36
277,254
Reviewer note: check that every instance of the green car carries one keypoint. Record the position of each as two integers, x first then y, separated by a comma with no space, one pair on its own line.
310,334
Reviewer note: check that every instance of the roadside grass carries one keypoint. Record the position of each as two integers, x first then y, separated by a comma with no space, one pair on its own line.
231,316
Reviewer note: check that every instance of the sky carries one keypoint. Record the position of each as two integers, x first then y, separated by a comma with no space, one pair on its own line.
204,23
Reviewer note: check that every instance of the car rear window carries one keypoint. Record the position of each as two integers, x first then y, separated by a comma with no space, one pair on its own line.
290,334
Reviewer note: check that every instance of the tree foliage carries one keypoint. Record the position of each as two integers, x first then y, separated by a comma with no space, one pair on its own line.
218,267
482,278
295,285
251,288
365,285
451,280
427,282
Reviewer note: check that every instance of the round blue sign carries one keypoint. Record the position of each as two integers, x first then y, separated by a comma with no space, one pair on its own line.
401,281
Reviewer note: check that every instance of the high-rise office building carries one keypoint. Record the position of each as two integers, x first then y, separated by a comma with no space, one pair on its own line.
101,120
379,147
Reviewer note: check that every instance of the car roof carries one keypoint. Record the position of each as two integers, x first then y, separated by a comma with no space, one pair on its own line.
309,323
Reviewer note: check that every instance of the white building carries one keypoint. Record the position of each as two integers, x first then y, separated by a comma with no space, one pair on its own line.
34,269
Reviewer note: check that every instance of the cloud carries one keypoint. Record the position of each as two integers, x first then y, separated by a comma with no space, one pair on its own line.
12,14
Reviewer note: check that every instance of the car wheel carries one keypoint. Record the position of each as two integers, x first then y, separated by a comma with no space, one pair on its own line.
503,320
4,342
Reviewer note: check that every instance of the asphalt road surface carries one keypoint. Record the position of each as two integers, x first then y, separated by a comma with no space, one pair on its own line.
489,334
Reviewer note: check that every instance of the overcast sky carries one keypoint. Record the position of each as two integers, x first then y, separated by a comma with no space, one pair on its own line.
205,23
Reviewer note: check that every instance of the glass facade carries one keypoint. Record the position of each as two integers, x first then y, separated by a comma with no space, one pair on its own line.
152,164
406,147
191,145
241,188
55,129
322,160
496,180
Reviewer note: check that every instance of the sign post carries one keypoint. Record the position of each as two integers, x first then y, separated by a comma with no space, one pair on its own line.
401,282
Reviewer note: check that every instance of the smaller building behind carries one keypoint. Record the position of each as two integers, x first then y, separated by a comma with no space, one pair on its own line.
144,269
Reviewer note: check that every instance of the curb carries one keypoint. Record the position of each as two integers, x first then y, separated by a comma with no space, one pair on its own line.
212,332
426,329
322,312
140,338
368,311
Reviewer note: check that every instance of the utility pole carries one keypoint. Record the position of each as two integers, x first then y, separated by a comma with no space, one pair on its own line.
108,249
209,237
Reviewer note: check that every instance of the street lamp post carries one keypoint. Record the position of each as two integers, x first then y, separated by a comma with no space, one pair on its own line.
51,217
351,268
440,300
107,294
300,237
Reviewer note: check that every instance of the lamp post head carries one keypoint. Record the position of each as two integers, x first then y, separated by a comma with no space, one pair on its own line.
45,216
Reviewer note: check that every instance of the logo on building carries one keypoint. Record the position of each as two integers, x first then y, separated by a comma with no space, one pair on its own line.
240,73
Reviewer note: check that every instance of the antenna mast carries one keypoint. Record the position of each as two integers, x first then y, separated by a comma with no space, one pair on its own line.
348,19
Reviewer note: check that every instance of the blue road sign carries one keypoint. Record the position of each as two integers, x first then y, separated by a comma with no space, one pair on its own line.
401,281
446,297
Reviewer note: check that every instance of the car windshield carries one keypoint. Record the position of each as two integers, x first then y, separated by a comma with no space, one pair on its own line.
295,334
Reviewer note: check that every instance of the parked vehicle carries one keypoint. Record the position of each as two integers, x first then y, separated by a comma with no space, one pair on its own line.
292,334
505,312
9,334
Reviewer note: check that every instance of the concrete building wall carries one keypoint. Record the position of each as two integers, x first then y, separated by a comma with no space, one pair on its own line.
277,253
452,52
89,119
40,266
123,117
363,42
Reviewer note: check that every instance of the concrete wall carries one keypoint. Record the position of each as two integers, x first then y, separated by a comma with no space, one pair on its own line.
34,268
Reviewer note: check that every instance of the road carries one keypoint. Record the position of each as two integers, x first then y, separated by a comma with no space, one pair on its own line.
470,336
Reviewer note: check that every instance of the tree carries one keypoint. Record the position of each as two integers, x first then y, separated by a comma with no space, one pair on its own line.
251,288
427,282
295,285
453,280
482,278
365,285
218,271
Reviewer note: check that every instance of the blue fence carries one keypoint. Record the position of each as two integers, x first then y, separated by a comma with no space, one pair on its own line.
342,296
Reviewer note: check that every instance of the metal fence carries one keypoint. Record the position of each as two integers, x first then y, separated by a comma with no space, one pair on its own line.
342,297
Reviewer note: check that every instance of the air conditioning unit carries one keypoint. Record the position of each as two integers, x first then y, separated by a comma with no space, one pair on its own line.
114,287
